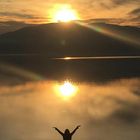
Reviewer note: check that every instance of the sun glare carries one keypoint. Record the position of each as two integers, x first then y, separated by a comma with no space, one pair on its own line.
64,13
66,90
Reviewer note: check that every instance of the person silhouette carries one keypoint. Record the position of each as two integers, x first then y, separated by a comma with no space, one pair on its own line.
67,135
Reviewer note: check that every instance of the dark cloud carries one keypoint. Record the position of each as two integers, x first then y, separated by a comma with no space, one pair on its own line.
20,15
136,21
134,17
135,11
117,21
118,2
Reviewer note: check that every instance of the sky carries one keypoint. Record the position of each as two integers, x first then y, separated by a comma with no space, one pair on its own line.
17,13
38,10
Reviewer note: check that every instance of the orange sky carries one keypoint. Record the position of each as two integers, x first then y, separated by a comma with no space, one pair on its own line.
37,11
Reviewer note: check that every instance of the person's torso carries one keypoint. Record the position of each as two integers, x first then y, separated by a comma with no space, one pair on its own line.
67,137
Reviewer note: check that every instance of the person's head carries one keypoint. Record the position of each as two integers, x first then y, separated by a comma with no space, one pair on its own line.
67,131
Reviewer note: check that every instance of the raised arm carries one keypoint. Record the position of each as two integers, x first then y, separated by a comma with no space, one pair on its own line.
75,130
58,130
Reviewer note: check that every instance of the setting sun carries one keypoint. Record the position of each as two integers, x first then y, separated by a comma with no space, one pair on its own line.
64,13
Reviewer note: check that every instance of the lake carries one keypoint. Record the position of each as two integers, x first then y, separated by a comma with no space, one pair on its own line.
37,93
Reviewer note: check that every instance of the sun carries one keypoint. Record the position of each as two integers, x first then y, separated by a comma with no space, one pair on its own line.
66,90
64,13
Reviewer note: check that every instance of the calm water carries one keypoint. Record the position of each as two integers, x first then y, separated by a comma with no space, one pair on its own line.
106,101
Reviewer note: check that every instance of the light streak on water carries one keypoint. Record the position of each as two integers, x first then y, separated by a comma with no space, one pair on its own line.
98,58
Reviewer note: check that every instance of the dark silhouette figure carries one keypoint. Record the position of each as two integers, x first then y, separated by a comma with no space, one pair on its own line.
67,135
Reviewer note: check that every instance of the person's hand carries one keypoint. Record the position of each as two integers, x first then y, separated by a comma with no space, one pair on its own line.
78,126
55,128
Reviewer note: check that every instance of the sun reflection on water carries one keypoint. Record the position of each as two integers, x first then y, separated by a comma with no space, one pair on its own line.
66,90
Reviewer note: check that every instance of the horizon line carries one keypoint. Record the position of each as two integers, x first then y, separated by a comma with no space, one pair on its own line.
75,57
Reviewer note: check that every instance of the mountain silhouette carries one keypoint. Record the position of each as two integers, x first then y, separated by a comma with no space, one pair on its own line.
45,41
60,39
